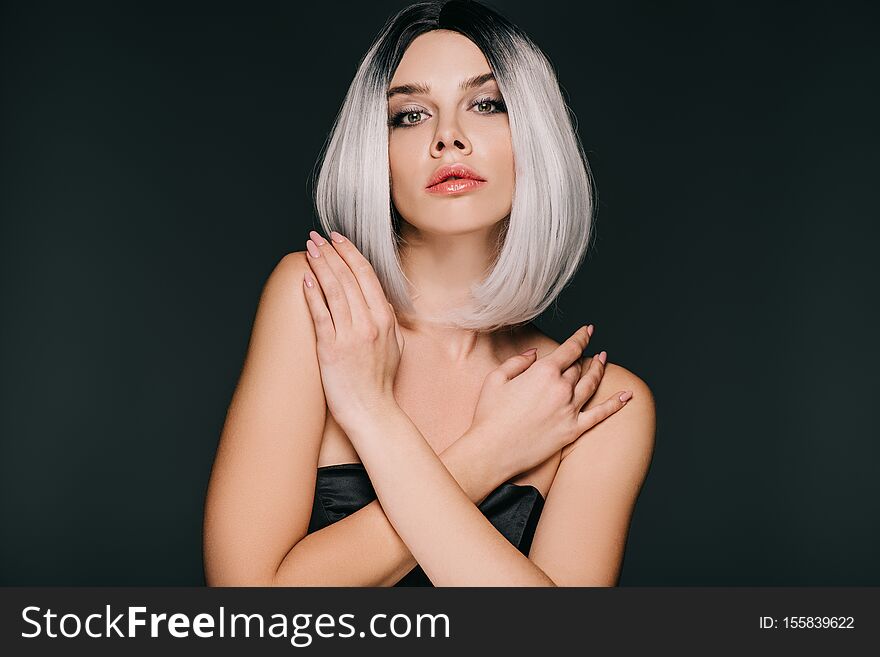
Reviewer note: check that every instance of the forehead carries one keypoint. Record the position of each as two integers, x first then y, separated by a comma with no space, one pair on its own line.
440,58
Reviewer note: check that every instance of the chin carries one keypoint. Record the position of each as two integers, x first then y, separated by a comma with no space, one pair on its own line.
455,225
455,216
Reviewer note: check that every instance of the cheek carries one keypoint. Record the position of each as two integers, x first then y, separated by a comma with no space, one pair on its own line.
401,164
405,181
499,143
500,152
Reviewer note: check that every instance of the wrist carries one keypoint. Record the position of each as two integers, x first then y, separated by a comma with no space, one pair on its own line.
474,461
361,415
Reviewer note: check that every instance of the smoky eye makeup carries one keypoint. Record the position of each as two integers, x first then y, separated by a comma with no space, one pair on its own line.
403,117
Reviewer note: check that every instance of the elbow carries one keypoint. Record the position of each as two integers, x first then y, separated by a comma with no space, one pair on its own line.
239,580
246,570
237,572
226,565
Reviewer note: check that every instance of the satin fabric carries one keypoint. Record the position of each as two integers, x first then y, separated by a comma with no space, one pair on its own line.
342,489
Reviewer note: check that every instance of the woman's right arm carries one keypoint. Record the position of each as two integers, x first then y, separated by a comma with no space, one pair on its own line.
259,499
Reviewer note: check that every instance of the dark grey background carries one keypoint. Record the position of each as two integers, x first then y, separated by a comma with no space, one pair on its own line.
153,170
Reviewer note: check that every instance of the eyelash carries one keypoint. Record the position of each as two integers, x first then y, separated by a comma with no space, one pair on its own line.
396,121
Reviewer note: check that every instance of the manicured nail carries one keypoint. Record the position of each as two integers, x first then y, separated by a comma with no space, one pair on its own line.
309,281
336,237
529,352
603,356
625,397
318,239
314,251
590,330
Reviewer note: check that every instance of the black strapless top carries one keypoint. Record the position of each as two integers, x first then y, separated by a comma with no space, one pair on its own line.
342,489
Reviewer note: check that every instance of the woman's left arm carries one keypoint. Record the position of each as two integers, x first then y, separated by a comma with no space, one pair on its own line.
581,536
359,345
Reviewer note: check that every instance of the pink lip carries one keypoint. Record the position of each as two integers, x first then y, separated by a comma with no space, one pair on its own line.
456,186
456,170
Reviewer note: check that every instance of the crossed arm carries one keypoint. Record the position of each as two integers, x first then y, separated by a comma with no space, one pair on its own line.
451,539
579,541
377,556
259,500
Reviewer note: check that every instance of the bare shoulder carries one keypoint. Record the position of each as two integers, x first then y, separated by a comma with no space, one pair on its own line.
636,420
291,266
283,305
631,430
283,313
620,378
282,355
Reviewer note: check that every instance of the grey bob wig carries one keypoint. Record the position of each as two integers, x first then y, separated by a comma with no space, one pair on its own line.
544,239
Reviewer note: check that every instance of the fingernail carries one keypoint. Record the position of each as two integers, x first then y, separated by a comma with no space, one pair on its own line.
309,281
625,397
603,356
336,237
314,251
529,352
590,330
318,239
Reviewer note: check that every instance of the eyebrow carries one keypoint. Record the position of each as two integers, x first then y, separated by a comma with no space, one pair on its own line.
420,88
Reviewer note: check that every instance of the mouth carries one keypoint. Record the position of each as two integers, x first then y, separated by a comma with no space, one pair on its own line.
454,179
455,186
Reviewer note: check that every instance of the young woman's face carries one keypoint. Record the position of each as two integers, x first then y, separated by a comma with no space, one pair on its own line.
448,125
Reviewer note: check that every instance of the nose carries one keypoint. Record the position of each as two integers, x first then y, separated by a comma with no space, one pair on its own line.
448,134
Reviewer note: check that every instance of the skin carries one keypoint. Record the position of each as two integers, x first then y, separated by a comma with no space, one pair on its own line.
428,464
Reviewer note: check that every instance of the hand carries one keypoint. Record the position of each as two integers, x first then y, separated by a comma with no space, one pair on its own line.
359,341
532,409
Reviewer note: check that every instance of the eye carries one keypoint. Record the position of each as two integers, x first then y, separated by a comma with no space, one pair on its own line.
407,117
400,119
497,103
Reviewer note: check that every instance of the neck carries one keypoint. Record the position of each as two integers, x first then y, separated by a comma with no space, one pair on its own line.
441,269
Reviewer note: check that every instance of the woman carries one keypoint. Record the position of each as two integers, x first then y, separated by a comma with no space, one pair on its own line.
390,426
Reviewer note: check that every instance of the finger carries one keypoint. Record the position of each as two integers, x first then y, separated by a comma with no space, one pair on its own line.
594,415
516,365
357,304
320,315
573,373
570,350
369,283
337,302
590,379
